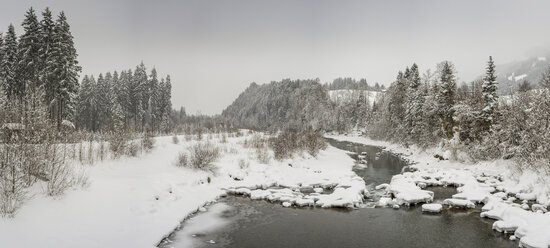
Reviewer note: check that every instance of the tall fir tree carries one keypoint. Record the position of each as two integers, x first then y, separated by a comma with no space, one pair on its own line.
8,64
489,93
28,53
63,72
414,106
47,26
446,98
138,83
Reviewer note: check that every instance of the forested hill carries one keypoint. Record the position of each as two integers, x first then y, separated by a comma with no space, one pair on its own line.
288,104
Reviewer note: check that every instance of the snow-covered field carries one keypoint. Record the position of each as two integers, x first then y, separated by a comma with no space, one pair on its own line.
518,201
135,202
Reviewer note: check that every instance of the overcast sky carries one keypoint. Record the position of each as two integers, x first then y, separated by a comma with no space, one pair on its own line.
214,49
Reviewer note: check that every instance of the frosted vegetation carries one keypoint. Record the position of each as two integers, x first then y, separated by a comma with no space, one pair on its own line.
59,135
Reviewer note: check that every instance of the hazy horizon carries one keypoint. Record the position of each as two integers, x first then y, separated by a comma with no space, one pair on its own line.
214,49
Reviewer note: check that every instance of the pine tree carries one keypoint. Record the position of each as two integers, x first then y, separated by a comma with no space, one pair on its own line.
9,63
85,104
154,94
28,53
1,59
137,85
446,98
490,97
47,26
414,105
63,72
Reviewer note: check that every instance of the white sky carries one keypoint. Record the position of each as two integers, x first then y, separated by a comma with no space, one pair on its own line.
214,49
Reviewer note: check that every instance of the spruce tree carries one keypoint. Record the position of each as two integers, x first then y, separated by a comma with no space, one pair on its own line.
414,106
28,53
446,98
47,26
490,97
63,72
9,63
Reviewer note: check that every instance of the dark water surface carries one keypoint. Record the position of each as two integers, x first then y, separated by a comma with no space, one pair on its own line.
263,224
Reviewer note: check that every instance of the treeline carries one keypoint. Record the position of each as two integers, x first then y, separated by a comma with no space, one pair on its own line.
42,60
352,84
470,119
129,101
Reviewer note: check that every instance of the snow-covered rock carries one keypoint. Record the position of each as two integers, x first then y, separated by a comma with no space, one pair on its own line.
460,203
432,207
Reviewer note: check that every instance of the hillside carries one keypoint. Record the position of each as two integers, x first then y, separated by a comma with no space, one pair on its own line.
294,104
510,75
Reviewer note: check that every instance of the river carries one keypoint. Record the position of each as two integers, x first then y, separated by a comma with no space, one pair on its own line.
240,222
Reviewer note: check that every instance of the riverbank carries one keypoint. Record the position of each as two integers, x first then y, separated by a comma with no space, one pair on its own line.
135,202
518,201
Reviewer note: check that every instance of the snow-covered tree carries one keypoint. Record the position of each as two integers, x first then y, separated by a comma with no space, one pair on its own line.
414,106
46,37
446,98
8,64
63,70
490,97
28,53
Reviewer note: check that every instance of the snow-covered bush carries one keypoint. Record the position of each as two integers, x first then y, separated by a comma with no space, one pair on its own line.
132,149
288,143
313,142
118,143
182,160
147,142
202,155
243,164
262,155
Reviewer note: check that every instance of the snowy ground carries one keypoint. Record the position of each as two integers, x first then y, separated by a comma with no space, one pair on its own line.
518,201
135,202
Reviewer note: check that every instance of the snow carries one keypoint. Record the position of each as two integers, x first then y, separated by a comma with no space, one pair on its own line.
520,77
343,96
541,58
432,207
495,184
136,202
202,224
460,203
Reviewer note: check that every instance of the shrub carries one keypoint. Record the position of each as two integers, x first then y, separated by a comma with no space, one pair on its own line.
202,155
313,142
243,164
183,160
288,143
132,149
118,143
262,155
147,142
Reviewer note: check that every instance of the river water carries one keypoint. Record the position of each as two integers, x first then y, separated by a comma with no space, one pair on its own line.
241,222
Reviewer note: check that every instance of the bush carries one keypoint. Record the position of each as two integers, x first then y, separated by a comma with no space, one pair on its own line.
118,143
288,143
183,160
147,142
262,155
314,142
243,164
202,154
132,149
